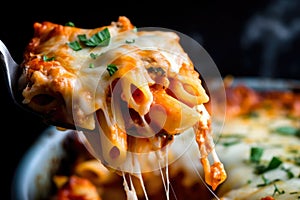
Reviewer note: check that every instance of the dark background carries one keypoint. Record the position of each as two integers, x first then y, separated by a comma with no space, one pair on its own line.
253,38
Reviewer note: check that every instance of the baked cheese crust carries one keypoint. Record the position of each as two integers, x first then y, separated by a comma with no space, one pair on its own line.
137,89
259,144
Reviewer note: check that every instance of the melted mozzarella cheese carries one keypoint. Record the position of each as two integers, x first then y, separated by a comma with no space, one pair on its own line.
94,99
239,135
94,81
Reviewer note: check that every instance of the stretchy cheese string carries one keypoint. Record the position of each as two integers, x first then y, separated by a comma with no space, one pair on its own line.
214,173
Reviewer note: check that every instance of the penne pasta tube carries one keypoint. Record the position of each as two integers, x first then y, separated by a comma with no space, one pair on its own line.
186,91
94,171
176,115
136,92
113,142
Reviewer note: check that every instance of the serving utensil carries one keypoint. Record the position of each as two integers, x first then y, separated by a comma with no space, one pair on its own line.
12,73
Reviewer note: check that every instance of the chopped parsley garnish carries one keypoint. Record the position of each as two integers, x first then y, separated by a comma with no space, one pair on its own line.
111,68
93,55
70,24
45,58
287,130
230,143
91,65
82,38
130,41
100,38
256,154
75,45
230,139
289,173
297,160
273,164
265,181
276,190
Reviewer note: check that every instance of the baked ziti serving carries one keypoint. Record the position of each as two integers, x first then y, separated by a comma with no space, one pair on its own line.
137,89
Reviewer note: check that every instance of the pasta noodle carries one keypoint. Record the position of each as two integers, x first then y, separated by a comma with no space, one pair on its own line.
260,149
137,89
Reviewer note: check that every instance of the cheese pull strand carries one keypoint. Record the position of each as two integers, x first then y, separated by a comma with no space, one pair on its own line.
215,173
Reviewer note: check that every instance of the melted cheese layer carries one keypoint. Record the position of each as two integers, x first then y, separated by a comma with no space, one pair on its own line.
138,92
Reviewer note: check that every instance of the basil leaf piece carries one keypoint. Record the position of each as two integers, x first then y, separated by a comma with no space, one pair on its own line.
273,164
93,55
47,59
111,68
82,38
101,38
70,24
287,130
91,65
256,154
75,45
276,190
129,41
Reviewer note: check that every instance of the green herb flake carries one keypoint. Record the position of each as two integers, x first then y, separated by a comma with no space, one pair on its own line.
47,59
289,173
111,68
256,154
276,190
82,38
94,55
91,65
70,24
297,160
130,41
273,164
230,143
287,130
101,38
75,45
265,181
